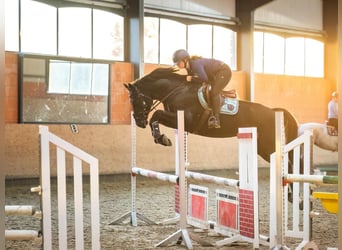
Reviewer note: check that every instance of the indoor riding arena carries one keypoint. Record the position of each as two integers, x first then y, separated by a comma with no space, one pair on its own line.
107,143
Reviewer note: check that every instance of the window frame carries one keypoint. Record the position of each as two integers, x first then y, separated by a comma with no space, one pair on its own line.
47,58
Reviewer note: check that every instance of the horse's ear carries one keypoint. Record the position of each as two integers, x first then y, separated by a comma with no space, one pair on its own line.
127,85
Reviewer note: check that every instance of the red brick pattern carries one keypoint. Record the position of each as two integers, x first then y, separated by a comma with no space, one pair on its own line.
120,107
246,213
11,88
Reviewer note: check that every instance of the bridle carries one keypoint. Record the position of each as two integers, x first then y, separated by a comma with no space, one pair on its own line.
155,103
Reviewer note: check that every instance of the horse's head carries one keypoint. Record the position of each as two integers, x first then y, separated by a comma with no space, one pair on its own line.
161,82
141,105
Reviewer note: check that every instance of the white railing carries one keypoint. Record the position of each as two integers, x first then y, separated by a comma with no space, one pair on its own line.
78,156
286,219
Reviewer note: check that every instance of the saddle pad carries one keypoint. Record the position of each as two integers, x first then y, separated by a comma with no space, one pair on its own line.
230,106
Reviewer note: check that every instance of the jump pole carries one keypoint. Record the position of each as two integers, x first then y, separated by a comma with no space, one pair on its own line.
22,210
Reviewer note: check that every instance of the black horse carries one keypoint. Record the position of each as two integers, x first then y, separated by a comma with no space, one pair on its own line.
165,86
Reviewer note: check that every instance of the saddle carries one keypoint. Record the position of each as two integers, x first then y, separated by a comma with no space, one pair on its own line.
225,93
332,131
229,104
228,99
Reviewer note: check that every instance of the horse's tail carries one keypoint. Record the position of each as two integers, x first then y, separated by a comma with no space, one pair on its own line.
290,123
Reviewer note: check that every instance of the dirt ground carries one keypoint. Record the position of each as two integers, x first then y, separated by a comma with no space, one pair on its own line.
155,200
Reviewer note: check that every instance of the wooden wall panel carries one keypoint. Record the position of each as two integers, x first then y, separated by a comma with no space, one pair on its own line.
11,88
307,98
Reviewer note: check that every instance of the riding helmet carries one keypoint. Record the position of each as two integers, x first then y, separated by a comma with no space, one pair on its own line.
180,55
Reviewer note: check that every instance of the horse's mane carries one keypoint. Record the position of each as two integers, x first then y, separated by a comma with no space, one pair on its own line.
163,73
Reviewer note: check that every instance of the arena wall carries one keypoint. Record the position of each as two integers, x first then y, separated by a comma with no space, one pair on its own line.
306,98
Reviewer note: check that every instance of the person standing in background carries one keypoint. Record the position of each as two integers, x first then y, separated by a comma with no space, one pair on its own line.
333,111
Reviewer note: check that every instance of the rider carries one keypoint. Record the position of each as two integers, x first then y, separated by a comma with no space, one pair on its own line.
206,70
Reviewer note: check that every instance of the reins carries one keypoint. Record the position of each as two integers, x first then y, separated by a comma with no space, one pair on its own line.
157,102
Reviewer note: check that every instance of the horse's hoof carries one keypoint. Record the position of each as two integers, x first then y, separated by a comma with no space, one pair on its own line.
163,140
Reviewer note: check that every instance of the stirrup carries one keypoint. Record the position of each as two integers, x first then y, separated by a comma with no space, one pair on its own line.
213,122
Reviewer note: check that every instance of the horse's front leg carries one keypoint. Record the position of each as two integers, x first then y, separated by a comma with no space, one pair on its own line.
166,118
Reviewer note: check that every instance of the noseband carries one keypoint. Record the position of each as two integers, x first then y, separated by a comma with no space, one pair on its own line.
155,103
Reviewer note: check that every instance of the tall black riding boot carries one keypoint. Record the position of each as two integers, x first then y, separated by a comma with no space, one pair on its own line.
214,120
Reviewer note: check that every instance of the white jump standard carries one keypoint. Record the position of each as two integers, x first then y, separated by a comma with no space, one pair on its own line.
47,234
298,223
64,149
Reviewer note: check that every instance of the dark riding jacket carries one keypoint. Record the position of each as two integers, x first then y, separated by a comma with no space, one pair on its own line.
204,69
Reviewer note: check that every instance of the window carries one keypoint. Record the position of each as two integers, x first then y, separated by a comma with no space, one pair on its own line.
12,25
64,91
108,36
162,37
200,40
294,56
151,39
38,27
297,56
224,45
258,52
79,32
273,54
172,37
74,34
78,78
314,58
63,78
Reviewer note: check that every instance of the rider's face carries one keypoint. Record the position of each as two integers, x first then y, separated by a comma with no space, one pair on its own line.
181,64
